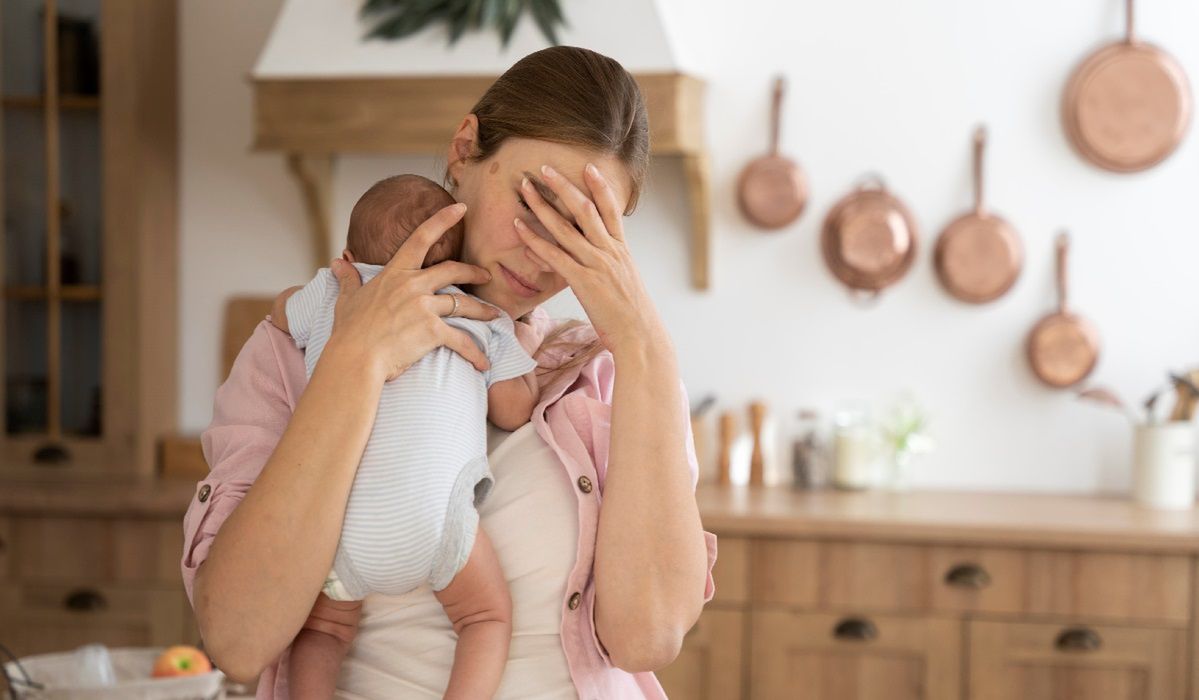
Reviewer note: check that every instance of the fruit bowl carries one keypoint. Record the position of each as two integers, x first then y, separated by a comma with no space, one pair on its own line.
133,667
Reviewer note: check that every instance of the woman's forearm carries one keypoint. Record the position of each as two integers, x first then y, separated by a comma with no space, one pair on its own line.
650,554
256,588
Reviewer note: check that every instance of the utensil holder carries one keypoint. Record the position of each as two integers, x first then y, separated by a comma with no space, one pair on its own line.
1164,465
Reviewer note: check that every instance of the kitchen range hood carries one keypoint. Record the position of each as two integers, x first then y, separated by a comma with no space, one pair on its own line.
320,90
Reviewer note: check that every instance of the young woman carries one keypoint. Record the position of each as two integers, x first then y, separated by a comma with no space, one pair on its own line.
592,515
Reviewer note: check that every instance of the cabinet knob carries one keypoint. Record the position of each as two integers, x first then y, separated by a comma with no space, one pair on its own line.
969,576
855,629
85,600
1078,639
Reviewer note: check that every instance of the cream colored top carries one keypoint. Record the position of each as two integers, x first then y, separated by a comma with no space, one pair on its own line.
405,644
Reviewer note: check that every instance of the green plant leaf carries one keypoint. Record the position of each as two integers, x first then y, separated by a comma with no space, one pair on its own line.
543,14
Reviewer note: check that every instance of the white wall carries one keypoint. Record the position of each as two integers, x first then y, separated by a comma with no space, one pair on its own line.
874,85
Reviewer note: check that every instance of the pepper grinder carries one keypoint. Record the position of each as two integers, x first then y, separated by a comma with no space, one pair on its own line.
757,462
728,433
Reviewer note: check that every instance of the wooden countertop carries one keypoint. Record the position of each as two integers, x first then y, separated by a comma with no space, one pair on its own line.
1007,519
94,495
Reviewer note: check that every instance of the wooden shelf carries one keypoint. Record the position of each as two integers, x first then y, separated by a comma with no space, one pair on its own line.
68,102
68,292
315,119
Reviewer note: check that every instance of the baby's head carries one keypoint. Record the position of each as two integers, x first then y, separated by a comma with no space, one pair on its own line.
390,211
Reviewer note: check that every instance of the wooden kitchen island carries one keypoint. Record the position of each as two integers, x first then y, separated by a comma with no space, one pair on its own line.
986,596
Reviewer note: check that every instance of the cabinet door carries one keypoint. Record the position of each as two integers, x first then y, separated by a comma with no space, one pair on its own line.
1045,661
827,656
710,665
41,619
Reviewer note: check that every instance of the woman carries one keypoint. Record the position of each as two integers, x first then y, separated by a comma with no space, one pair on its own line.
545,164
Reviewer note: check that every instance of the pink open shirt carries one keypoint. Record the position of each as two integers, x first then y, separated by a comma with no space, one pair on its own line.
254,405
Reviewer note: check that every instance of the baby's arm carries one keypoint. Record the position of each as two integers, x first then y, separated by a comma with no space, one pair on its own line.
279,310
510,402
319,649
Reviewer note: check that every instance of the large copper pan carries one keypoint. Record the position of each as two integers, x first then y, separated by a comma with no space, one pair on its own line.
869,238
978,256
1128,105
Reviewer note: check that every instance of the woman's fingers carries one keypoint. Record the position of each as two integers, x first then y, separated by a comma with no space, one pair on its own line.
448,272
348,279
460,342
567,236
587,215
412,252
468,307
555,257
605,200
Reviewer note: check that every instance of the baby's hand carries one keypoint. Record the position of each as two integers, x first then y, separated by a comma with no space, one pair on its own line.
279,309
528,337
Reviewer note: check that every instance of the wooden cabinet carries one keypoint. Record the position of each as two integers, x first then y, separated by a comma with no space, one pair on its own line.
86,563
826,656
939,596
88,250
1053,661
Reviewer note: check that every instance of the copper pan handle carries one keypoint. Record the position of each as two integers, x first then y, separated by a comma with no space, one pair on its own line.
776,110
1063,248
980,149
865,298
873,181
1130,23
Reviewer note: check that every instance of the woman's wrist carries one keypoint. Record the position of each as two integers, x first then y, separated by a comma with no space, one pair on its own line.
351,362
647,348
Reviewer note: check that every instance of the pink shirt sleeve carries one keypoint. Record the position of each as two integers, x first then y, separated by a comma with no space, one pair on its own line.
250,412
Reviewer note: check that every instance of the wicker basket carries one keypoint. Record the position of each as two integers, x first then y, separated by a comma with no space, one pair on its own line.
53,672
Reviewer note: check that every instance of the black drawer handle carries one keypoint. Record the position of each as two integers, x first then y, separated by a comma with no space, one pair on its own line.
1078,639
855,629
85,600
970,576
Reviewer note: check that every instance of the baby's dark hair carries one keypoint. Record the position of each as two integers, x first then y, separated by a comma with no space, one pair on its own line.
387,213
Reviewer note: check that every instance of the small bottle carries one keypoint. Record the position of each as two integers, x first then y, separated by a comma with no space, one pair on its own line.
808,458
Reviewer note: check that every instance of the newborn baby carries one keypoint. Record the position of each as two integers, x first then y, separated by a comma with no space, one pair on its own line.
411,517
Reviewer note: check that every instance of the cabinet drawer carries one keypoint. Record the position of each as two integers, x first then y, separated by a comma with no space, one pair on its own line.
1046,661
1146,588
42,618
817,656
883,577
709,667
104,550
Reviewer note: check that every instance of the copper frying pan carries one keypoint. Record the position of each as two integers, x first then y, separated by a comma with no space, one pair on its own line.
1063,347
869,238
978,256
1128,105
772,190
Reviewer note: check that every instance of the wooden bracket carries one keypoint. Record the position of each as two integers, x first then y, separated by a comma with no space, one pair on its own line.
697,174
314,173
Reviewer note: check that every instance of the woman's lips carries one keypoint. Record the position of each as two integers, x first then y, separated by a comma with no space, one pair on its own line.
519,284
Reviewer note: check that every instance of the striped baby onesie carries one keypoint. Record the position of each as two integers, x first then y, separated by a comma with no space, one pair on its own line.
411,516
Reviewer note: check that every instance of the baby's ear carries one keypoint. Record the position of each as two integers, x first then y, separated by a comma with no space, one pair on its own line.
347,255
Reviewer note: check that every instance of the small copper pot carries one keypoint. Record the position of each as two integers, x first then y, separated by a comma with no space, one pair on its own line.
1063,348
978,256
869,238
1128,105
772,190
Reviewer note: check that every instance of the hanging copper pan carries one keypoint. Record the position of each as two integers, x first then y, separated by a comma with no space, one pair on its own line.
772,189
1128,105
869,238
978,256
1063,347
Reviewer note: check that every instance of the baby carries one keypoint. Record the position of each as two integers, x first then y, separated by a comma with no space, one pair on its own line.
411,517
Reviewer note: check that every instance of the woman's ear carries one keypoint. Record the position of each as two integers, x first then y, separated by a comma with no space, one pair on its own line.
462,146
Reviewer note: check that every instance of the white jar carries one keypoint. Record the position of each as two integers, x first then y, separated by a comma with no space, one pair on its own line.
1164,465
854,449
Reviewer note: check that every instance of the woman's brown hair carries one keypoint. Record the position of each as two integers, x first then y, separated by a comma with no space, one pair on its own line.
576,97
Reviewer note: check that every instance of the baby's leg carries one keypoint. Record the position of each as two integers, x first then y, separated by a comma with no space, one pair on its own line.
320,647
480,608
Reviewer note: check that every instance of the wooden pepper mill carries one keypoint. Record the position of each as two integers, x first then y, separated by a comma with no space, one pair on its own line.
728,433
757,462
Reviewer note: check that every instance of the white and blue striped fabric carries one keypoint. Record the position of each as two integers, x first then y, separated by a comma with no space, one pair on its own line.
411,515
